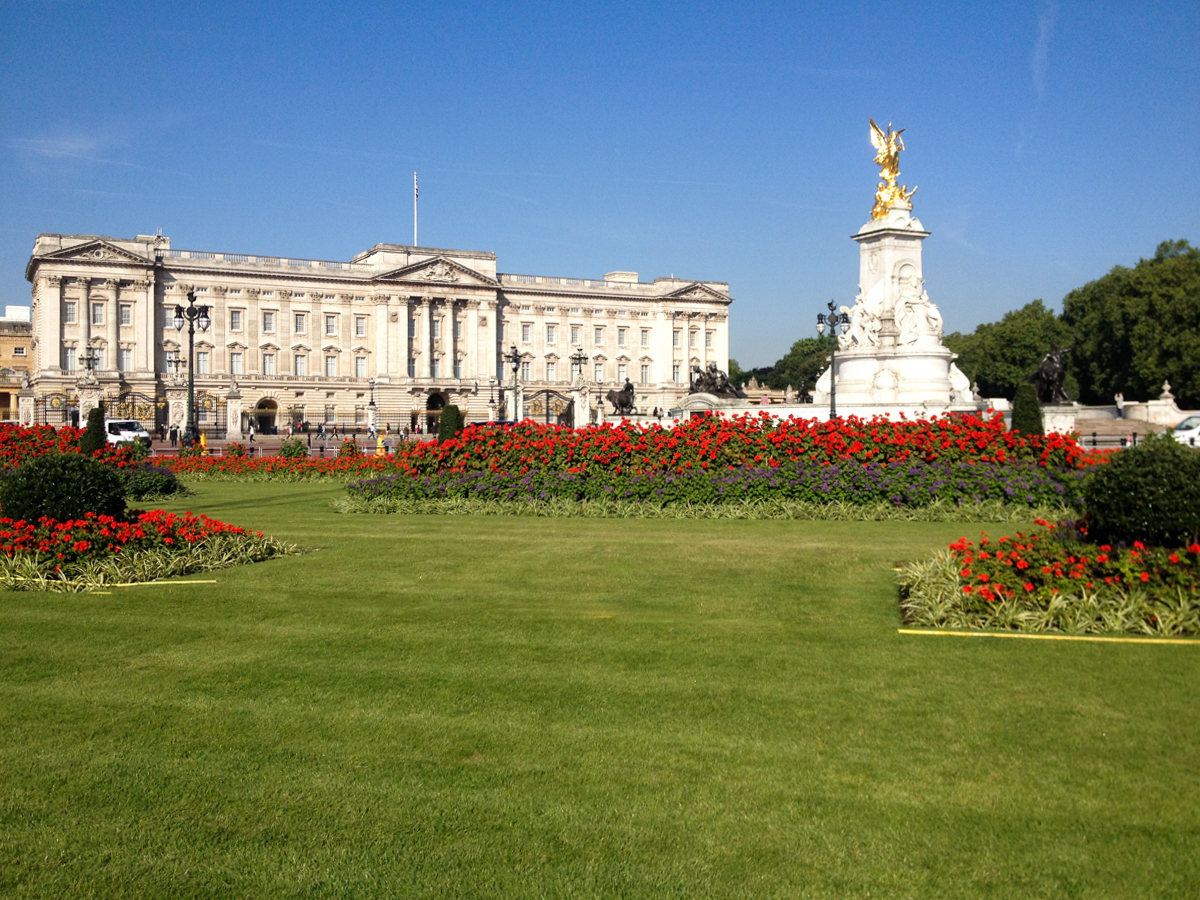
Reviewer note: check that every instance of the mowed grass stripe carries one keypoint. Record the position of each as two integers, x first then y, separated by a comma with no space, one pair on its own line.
431,706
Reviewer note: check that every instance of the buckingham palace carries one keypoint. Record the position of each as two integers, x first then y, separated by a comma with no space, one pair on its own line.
391,336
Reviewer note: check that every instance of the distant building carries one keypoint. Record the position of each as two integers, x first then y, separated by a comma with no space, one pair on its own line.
411,328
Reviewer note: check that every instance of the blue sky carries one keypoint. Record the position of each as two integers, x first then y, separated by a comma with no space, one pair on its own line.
1050,141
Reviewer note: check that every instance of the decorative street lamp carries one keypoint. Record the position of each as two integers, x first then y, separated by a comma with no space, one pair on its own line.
90,360
371,403
195,316
513,358
578,361
833,320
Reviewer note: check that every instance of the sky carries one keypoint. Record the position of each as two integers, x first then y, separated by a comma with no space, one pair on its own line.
715,141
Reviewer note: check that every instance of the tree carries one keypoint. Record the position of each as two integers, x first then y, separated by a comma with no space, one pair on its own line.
1026,411
1140,327
93,438
807,359
1000,356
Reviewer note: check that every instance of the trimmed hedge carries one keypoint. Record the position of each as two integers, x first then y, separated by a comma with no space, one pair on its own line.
1149,493
62,486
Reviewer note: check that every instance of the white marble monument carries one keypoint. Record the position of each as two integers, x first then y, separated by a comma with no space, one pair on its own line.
892,355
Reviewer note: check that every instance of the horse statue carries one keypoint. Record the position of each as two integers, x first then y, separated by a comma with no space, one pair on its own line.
1051,371
622,400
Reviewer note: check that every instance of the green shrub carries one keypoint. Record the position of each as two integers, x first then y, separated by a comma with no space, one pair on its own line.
145,480
1150,493
92,438
292,448
450,423
1027,411
236,450
62,486
349,448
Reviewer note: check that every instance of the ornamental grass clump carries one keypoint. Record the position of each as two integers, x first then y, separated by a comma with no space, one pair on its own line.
1150,493
62,486
292,448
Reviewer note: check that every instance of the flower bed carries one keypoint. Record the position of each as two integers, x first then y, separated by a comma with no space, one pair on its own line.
18,445
94,550
277,468
1049,581
913,483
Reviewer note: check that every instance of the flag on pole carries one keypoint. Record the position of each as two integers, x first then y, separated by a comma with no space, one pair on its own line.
415,192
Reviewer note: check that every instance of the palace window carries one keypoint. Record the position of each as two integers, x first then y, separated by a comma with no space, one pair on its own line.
435,368
125,359
708,340
645,373
551,371
235,362
622,336
622,372
675,373
676,339
97,313
551,334
599,336
526,374
692,335
268,366
360,326
330,324
235,320
300,364
18,351
599,372
436,325
126,313
360,367
458,368
99,354
526,333
330,366
69,313
412,368
201,362
575,332
330,415
645,337
68,359
268,322
457,328
300,323
360,415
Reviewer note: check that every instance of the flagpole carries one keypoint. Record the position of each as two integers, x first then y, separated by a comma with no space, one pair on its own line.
415,209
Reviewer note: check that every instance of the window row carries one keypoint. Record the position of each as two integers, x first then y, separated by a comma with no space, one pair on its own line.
503,373
576,333
124,313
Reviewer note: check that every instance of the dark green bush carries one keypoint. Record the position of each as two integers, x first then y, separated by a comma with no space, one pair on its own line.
1026,411
1150,493
62,486
349,448
92,438
150,481
292,448
450,423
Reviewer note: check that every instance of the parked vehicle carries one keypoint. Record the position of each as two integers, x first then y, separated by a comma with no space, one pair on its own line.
121,431
1188,431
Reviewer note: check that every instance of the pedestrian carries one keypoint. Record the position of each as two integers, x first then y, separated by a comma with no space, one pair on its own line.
252,432
174,435
1120,398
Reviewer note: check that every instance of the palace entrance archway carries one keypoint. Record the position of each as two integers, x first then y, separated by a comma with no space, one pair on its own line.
264,415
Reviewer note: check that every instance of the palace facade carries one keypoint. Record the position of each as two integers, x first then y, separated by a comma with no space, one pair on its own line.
391,336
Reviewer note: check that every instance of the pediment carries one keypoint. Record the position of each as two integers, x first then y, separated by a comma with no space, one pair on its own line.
439,270
330,348
236,345
98,251
268,346
301,347
698,291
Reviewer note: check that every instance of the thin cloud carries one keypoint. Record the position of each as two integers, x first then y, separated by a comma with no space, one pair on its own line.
1041,47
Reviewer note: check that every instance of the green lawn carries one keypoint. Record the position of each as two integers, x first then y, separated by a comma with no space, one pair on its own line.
513,707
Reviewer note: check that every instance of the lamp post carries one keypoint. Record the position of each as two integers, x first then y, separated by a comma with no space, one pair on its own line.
578,361
513,358
90,360
371,410
194,315
834,319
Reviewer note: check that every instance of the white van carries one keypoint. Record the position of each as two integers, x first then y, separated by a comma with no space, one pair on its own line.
122,431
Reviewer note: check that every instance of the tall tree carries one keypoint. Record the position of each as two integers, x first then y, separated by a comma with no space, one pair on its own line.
999,356
1140,327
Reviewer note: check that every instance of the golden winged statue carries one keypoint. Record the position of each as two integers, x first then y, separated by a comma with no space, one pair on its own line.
887,156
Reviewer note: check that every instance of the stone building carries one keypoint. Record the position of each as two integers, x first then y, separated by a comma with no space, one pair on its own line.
391,336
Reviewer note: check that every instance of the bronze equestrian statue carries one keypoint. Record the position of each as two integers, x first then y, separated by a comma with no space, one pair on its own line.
622,400
1051,371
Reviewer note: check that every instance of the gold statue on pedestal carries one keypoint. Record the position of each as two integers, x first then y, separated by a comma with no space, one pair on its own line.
888,146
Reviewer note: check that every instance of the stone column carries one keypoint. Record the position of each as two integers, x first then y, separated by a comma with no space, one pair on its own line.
84,316
381,336
25,407
177,406
471,340
233,414
89,399
424,343
113,324
253,358
48,328
144,330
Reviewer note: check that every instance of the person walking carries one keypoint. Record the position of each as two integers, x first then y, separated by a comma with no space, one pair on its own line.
174,435
252,432
1120,400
